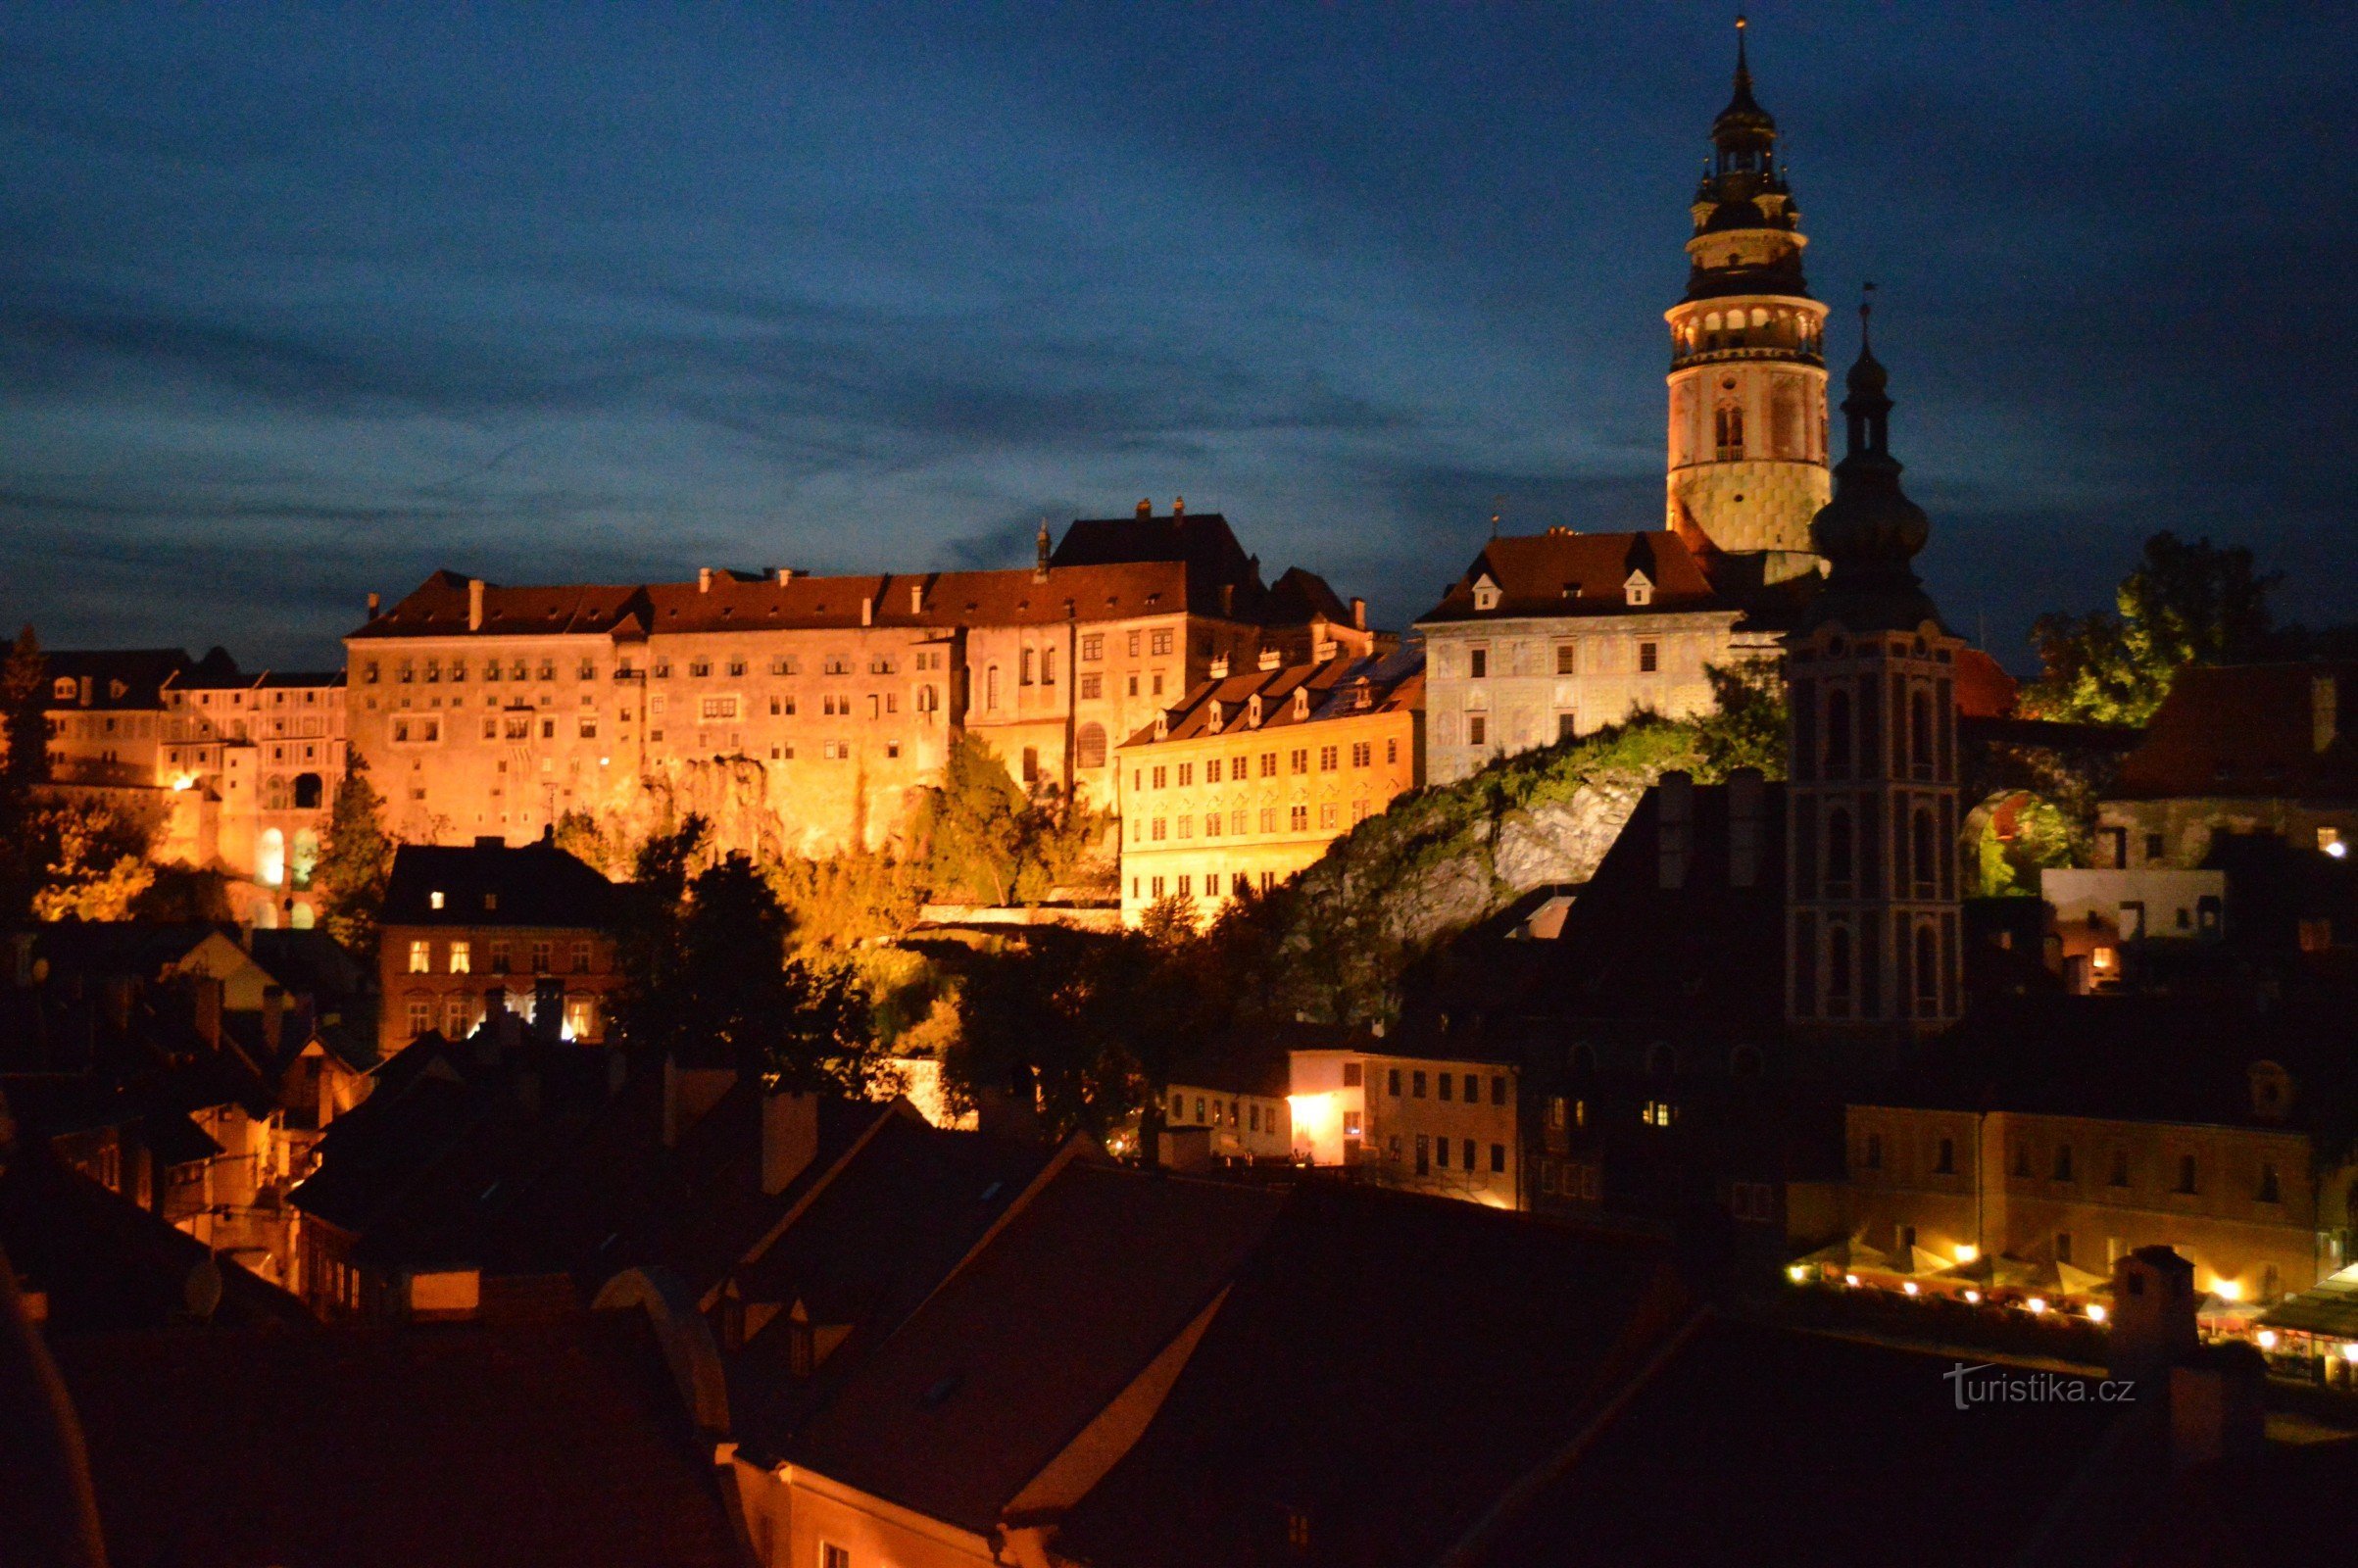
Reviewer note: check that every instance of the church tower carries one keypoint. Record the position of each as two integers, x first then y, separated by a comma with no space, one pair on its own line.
1747,369
1872,910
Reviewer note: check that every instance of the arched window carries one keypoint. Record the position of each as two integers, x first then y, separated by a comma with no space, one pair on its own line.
1728,429
1921,850
1838,733
1784,420
269,858
1089,745
273,793
1838,849
308,792
1837,961
1928,970
304,859
991,687
1920,729
929,698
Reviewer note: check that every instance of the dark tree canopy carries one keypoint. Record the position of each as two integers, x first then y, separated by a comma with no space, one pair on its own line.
355,860
2182,604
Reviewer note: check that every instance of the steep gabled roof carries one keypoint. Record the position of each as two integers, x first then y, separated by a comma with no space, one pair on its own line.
1393,682
1561,572
1024,1346
494,884
2252,731
463,1446
125,677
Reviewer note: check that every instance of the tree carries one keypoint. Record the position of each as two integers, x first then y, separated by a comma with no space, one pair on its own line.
93,861
707,978
1745,727
988,842
2184,604
355,860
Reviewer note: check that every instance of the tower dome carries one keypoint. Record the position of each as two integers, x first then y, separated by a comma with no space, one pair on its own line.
1870,532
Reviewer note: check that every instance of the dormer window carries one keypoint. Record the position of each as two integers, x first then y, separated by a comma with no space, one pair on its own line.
1486,593
1252,710
1301,702
1639,590
1213,716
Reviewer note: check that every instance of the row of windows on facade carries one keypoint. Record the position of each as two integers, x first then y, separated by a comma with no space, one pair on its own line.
1477,728
1848,732
2062,1167
1240,767
1848,851
1258,1117
1432,1153
1158,644
1238,884
1444,1085
459,956
1727,328
1567,661
1158,829
461,1015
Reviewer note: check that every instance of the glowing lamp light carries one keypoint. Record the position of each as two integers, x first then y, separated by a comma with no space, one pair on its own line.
184,781
2228,1290
2096,1313
1972,1298
2267,1339
1850,1279
2349,1351
2338,849
1799,1275
1967,1252
1908,1287
2037,1304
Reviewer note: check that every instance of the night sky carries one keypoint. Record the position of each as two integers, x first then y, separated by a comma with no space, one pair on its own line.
296,302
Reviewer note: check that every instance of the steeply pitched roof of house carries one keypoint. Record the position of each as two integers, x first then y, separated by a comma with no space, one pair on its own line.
453,1445
1755,1444
1561,572
874,1244
2250,730
123,677
1392,682
1387,1366
495,885
1024,1346
106,1263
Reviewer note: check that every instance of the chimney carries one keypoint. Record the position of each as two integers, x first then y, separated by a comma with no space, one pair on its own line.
789,1138
1146,510
375,603
916,599
784,574
209,1010
688,1092
1359,614
1040,560
1219,668
704,579
1674,828
273,1020
2153,1306
867,610
475,604
2325,710
1178,508
1743,827
1272,658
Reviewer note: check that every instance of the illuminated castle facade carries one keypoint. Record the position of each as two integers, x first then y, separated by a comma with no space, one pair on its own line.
1748,463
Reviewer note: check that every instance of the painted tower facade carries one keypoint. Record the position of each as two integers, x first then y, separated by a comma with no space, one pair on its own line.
1747,369
1872,936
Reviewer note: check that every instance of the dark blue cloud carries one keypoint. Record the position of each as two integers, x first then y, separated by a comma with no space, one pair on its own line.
301,302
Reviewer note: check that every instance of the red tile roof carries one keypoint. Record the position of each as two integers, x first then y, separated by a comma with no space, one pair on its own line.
1395,683
546,1442
1561,572
2250,730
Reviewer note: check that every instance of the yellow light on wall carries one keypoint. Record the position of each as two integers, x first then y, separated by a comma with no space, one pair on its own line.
2349,1351
1967,1252
1798,1273
1849,1279
2228,1290
2037,1304
2267,1339
1972,1298
1908,1287
2096,1312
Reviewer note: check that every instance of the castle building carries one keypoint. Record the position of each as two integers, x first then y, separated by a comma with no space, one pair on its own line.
801,712
1553,635
1873,912
1747,372
1251,776
231,771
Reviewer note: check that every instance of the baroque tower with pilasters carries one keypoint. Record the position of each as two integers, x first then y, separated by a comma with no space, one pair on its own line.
1872,911
1747,369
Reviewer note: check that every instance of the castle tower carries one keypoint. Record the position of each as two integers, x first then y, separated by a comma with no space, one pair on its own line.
1871,908
1747,369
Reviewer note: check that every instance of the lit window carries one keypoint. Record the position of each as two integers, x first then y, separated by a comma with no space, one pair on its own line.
459,957
422,957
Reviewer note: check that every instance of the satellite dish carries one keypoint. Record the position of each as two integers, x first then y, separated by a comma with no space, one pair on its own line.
202,1291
